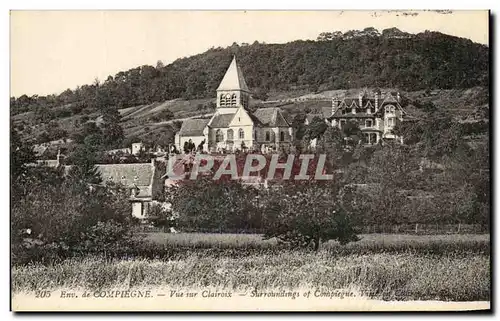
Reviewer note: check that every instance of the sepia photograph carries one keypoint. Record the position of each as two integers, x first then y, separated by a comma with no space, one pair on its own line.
188,160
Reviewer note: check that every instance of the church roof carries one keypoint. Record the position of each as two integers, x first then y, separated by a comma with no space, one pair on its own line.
271,117
221,120
233,79
193,127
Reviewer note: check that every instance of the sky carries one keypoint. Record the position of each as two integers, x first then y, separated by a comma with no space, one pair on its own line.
55,50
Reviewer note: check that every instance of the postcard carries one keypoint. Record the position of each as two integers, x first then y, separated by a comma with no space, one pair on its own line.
250,160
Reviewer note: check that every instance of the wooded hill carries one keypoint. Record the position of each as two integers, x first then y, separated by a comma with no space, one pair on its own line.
336,60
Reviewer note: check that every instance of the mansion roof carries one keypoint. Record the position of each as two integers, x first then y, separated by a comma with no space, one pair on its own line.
338,114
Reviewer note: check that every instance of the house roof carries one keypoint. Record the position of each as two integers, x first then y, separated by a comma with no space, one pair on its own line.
233,79
193,127
127,174
221,120
271,117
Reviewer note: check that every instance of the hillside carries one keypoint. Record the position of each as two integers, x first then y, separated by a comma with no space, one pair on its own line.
432,67
334,61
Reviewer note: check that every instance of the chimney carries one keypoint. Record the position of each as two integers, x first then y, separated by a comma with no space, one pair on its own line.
376,101
398,97
360,100
60,157
335,104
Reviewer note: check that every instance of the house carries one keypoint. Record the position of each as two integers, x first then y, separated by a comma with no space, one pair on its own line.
144,181
376,114
137,148
233,126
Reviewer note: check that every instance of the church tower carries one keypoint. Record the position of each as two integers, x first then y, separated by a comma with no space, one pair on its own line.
233,90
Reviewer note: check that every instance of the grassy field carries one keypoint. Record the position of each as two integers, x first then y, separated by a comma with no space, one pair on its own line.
387,267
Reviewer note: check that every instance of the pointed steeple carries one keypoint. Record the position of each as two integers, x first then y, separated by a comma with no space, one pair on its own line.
233,79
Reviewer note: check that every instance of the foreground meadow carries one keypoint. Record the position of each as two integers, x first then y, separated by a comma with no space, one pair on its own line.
387,267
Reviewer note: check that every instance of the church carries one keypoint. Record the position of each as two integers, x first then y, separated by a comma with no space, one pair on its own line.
233,127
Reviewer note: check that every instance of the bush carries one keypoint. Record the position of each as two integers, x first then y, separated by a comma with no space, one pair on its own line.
308,214
215,205
161,215
56,216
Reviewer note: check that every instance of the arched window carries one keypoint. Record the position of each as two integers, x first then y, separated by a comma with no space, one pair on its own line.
241,133
233,100
219,136
268,136
230,134
282,136
222,100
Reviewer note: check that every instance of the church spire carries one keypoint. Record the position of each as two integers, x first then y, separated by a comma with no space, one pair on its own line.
233,79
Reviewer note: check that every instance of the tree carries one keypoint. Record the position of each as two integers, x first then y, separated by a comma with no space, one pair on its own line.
261,94
205,204
83,171
200,146
298,125
111,129
331,143
21,154
308,213
316,128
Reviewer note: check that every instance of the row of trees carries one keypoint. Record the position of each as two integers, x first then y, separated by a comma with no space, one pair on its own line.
56,214
348,60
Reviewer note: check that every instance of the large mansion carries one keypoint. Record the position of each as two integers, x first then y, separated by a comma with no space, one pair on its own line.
375,113
233,126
